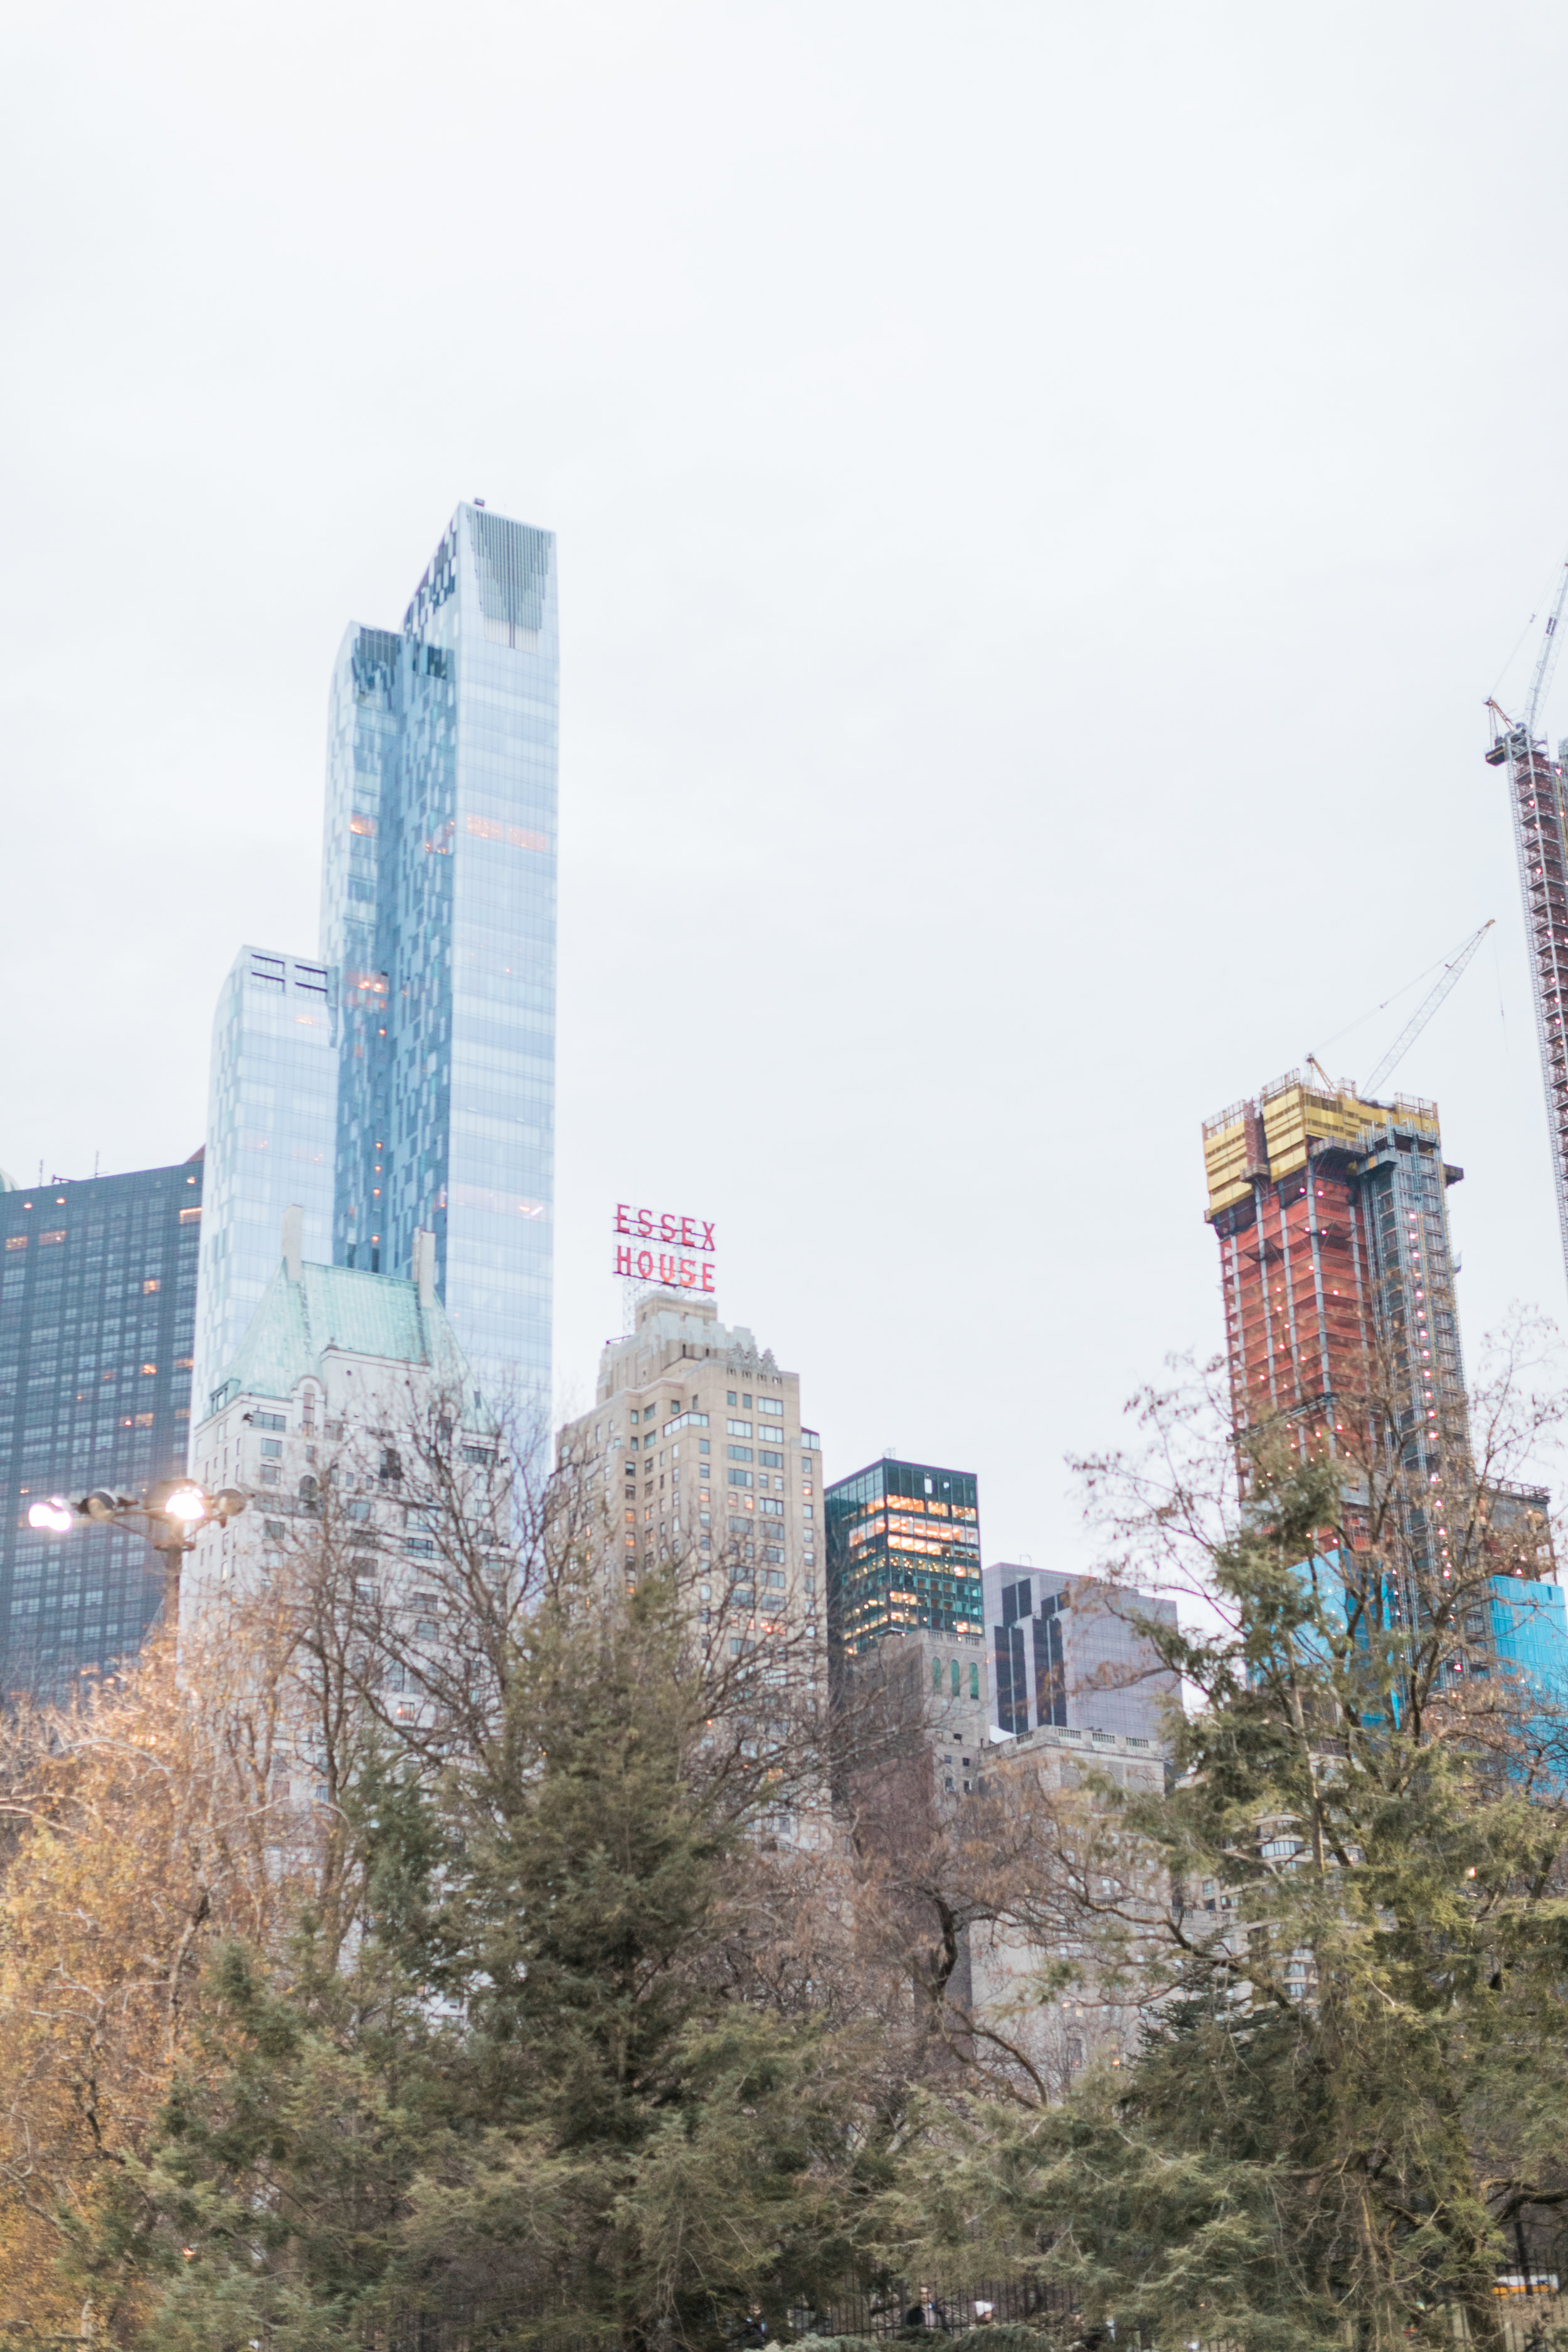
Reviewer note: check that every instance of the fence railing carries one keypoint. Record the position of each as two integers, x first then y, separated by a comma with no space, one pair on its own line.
907,2310
880,2311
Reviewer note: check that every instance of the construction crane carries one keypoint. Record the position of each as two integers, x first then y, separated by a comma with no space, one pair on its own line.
1452,972
1536,791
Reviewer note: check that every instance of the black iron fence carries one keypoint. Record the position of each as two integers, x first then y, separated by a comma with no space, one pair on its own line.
914,2307
911,2312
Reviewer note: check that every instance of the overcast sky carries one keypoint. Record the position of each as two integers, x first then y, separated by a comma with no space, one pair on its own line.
1043,493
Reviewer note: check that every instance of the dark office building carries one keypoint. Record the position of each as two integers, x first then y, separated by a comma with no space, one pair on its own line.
98,1297
903,1550
1065,1650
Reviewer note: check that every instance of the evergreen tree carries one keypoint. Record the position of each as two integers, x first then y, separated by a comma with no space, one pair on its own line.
534,2093
1353,2085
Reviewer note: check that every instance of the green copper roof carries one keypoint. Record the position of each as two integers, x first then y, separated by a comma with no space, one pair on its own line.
339,1306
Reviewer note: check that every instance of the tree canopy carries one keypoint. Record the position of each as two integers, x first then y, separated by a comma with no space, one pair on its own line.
548,1965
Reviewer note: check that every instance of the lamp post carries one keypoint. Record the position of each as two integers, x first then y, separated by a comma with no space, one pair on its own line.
168,1516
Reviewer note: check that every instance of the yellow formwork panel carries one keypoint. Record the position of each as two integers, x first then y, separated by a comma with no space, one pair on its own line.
1226,1165
1292,1116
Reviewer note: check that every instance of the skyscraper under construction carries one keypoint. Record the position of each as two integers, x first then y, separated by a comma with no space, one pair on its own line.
1337,1275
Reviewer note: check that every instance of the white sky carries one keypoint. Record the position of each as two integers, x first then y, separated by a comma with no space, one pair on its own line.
1043,494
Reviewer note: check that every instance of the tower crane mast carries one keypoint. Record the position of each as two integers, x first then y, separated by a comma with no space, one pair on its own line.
1536,791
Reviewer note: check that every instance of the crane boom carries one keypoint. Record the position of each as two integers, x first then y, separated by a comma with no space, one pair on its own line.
1423,1013
1546,659
1537,796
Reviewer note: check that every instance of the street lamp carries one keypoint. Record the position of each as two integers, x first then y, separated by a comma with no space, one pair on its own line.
168,1516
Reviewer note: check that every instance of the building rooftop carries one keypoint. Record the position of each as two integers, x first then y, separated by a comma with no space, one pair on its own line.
1061,1735
322,1308
677,1325
1271,1134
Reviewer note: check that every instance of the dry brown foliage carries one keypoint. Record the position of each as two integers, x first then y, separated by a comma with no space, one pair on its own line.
145,1823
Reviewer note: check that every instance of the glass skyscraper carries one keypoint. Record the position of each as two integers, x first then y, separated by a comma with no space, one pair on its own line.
438,914
903,1550
271,1105
98,1290
438,957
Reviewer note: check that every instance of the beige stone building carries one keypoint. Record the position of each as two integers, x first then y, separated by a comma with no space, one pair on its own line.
1084,2024
695,1451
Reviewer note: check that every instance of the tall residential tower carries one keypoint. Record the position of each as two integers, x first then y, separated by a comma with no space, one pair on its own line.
438,921
421,1095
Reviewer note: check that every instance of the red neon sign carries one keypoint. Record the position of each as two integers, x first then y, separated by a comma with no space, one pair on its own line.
668,1267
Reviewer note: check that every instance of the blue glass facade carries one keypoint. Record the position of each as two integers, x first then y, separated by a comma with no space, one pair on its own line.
98,1290
1530,1637
270,1112
439,924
